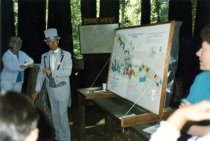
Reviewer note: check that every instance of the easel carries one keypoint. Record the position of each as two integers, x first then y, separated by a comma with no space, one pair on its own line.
171,30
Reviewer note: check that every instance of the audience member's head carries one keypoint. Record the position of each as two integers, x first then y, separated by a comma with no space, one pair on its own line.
205,33
18,118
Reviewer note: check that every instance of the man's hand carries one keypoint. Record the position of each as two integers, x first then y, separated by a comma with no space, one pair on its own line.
46,71
26,66
198,112
34,95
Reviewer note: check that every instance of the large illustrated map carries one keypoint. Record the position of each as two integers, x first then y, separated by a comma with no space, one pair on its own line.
138,64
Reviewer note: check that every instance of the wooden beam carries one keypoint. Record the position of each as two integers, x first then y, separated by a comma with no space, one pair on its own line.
135,120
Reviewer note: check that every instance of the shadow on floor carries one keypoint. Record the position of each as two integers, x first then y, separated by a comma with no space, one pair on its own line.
95,127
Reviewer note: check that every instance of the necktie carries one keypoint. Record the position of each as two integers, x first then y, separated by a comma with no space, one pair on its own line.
52,61
19,76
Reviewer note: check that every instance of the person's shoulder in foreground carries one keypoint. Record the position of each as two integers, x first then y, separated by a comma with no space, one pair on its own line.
169,130
203,75
19,118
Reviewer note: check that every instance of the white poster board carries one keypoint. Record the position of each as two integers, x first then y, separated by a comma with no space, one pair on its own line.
139,65
97,38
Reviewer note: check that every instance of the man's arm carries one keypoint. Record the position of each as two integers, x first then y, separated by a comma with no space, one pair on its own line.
198,130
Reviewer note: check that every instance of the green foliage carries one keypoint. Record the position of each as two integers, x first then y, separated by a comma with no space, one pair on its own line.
154,11
159,11
163,11
194,5
76,21
130,12
15,10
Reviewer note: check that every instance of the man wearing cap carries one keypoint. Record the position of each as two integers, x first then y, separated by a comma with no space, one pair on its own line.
55,68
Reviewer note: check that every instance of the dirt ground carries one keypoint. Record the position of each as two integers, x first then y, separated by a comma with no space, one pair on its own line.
95,127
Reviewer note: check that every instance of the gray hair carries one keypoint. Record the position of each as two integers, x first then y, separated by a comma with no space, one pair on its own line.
14,40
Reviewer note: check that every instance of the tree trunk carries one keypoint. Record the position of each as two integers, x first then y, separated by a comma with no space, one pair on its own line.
110,8
88,8
60,18
31,24
145,12
7,23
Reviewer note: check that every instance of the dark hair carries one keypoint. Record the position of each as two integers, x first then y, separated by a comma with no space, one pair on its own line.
17,116
205,33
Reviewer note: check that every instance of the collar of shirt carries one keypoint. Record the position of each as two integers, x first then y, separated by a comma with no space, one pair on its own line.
55,51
